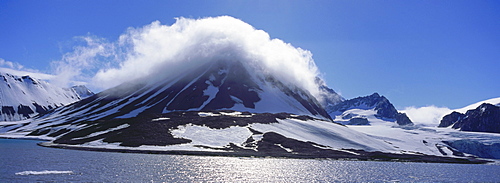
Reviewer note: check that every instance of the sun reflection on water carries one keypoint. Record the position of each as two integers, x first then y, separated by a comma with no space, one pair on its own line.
234,169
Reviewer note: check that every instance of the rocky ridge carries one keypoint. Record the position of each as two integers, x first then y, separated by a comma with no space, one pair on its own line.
356,111
485,118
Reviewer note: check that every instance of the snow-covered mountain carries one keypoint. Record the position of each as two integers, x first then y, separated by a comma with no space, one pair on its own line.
24,97
485,118
215,86
366,110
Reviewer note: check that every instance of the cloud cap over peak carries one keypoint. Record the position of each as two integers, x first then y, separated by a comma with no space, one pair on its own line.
188,43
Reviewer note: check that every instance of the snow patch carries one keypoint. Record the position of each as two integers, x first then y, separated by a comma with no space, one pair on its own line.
160,119
205,114
202,135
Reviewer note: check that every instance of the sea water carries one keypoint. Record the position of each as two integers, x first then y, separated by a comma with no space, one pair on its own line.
24,161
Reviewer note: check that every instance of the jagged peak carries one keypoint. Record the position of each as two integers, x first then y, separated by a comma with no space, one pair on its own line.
382,107
486,106
375,95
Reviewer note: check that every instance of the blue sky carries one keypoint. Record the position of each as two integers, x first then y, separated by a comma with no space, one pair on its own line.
416,53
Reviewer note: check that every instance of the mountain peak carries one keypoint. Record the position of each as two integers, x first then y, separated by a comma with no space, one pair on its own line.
221,85
375,95
363,107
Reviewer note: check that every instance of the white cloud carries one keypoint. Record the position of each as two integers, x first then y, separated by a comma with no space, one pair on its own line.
165,50
18,69
11,65
169,49
429,115
80,65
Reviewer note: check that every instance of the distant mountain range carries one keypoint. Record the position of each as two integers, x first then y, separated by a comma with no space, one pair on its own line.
23,97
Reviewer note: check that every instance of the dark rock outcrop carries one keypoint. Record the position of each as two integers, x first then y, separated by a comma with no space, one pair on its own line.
451,119
402,119
358,121
8,110
24,110
485,118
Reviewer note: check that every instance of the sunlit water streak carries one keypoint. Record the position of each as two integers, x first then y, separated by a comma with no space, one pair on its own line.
24,156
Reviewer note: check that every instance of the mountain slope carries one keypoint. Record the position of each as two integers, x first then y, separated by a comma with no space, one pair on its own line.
24,97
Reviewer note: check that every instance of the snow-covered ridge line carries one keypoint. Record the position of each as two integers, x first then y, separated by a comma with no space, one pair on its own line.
493,101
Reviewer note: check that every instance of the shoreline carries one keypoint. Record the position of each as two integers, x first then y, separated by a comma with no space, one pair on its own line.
24,138
367,156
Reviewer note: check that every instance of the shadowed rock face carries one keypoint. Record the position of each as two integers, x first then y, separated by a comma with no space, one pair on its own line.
485,118
9,110
451,119
402,119
358,121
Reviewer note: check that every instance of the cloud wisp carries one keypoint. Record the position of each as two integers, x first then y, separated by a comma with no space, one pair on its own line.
20,70
80,65
428,115
170,49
